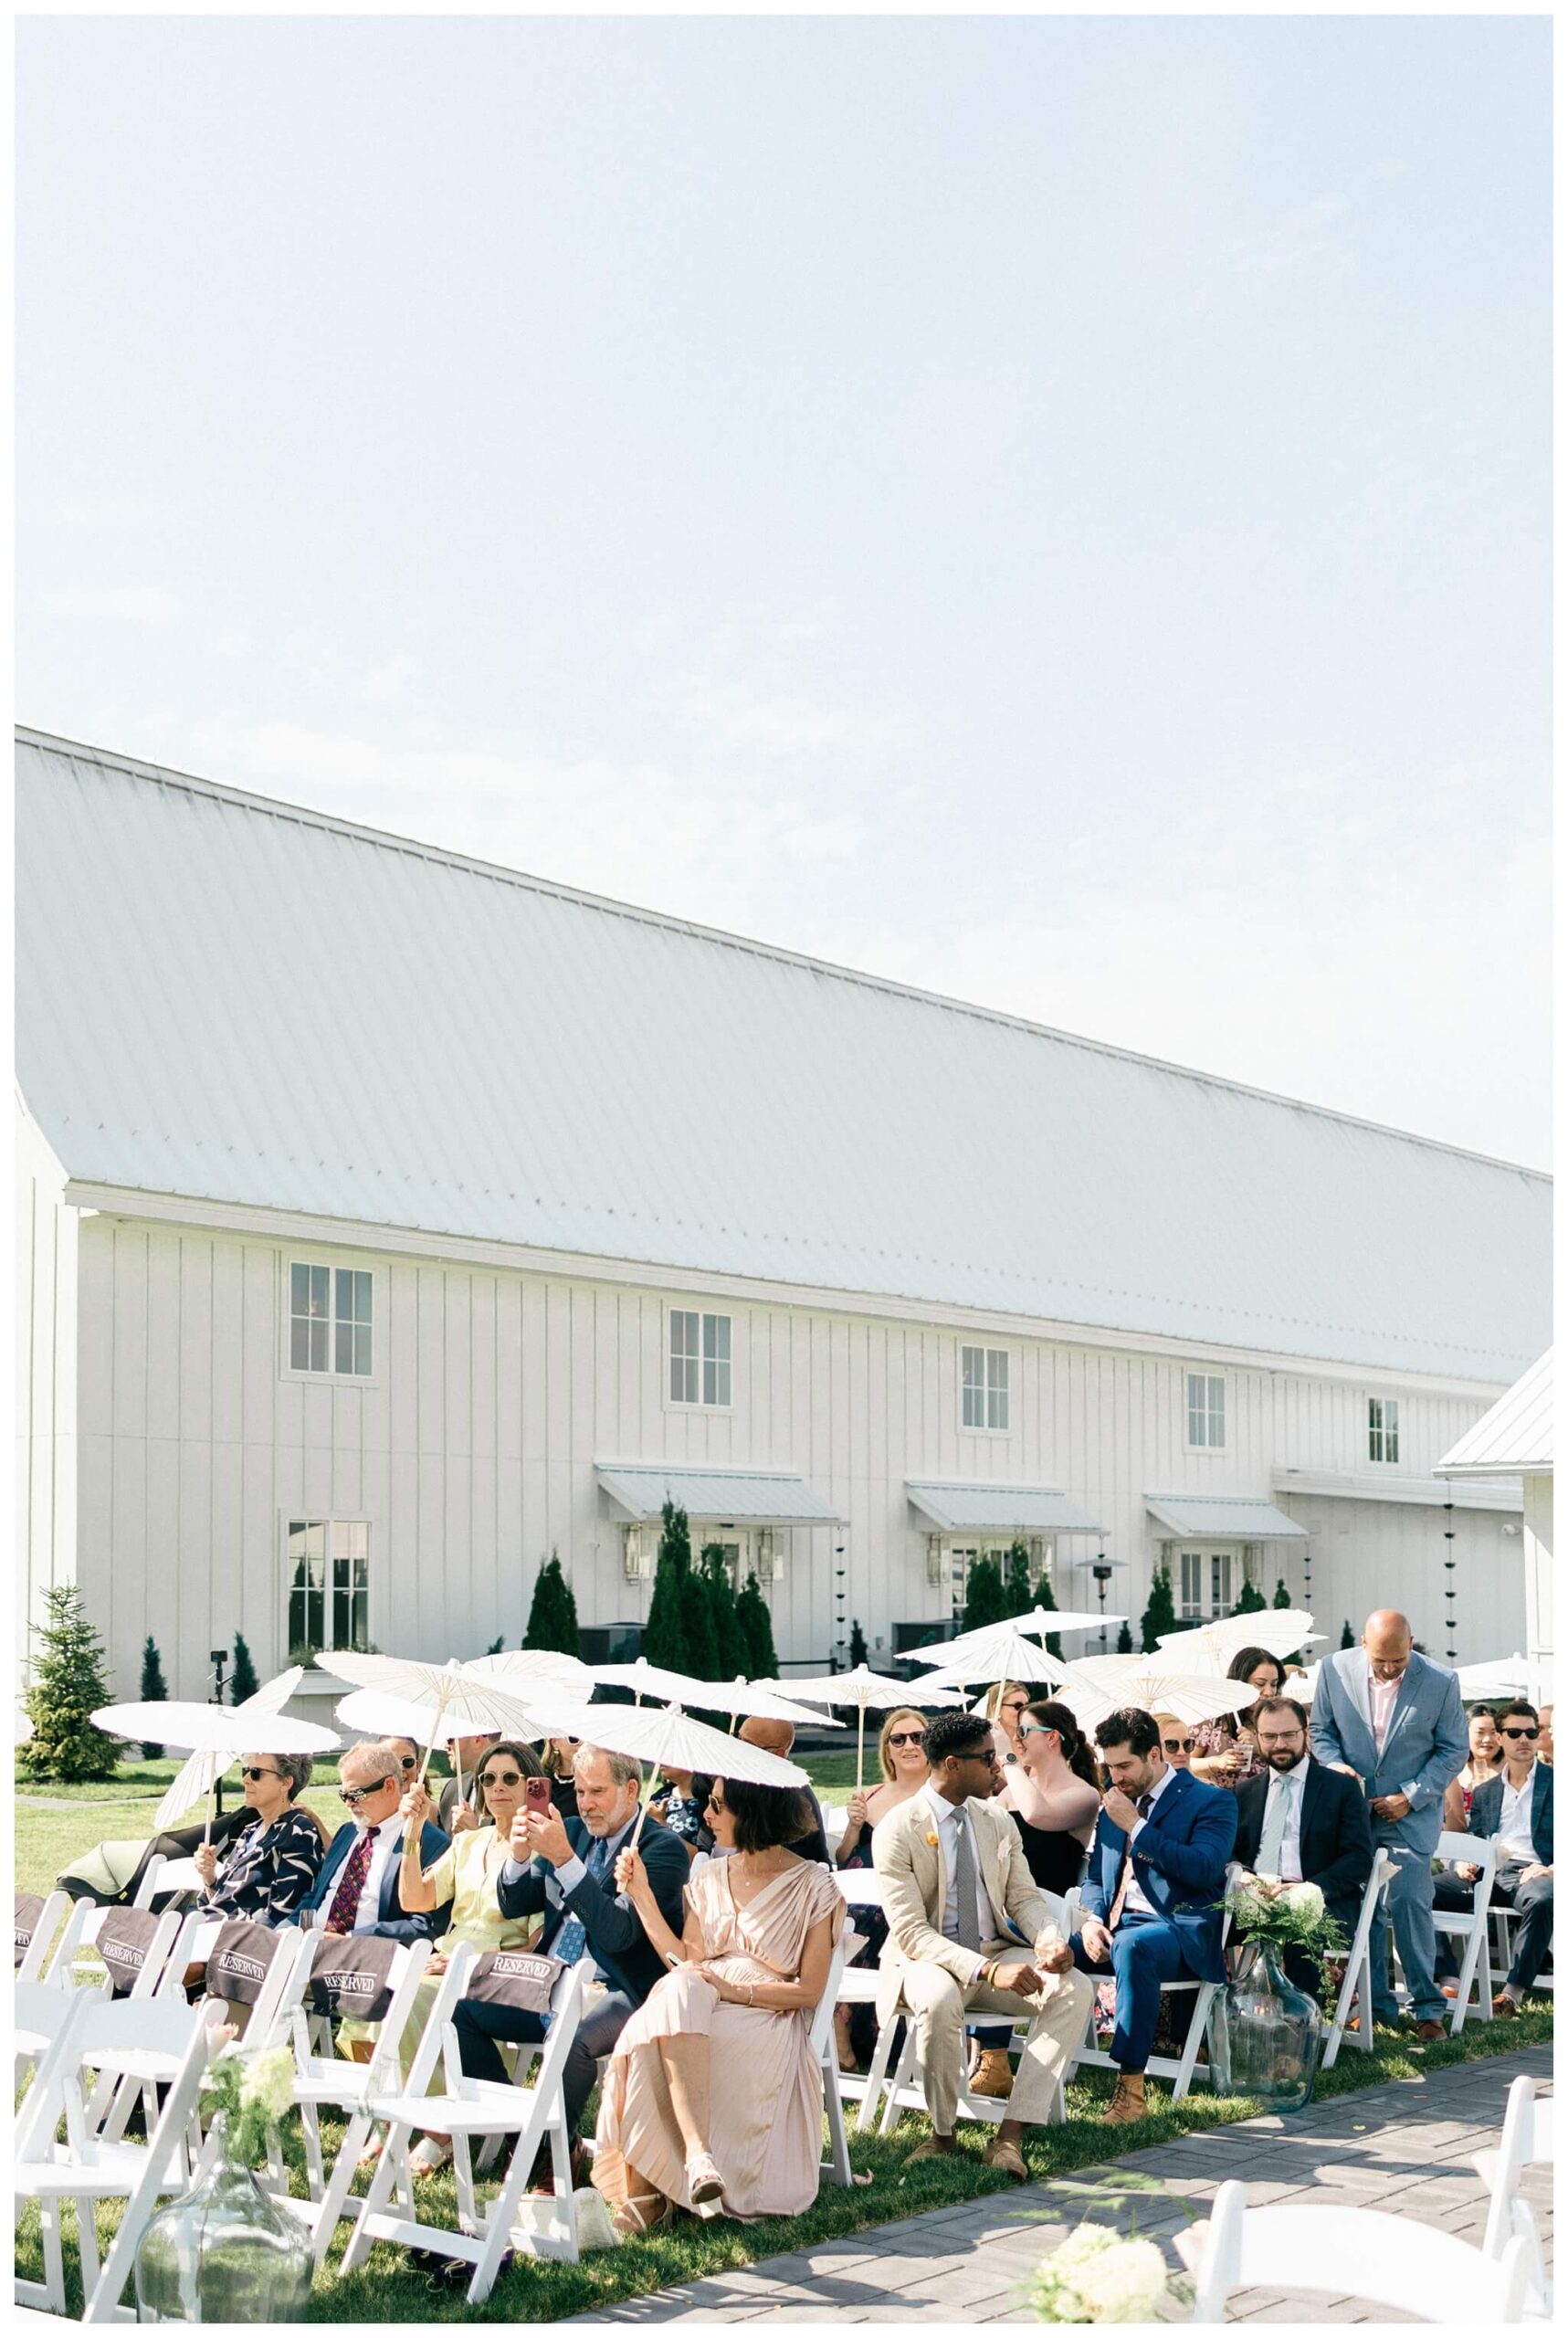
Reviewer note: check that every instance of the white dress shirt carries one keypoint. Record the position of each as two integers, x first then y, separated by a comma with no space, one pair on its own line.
1382,1698
1133,1896
1292,1783
946,1813
1514,1834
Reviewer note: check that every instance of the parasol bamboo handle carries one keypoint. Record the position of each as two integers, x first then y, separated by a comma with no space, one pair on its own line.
430,1745
636,1830
860,1749
212,1799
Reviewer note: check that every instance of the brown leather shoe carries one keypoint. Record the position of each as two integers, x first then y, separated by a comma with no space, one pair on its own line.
1429,2033
1128,2102
1503,2005
994,2075
933,2147
1007,2156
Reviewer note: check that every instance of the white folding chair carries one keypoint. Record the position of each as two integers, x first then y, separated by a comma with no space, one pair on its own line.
78,1961
37,1919
468,2108
1504,1920
1529,2139
86,2168
824,2045
1182,2069
1355,1989
856,1986
168,1875
1355,2252
1471,1925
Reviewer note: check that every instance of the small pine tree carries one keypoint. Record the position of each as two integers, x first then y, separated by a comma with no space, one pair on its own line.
242,1681
1124,1639
700,1651
1251,1602
986,1601
1045,1597
1281,1594
859,1651
1347,1637
495,1644
756,1633
154,1691
552,1611
664,1634
1016,1588
68,1683
728,1649
1159,1615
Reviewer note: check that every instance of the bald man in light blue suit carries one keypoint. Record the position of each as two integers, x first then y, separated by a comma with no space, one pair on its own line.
1398,1721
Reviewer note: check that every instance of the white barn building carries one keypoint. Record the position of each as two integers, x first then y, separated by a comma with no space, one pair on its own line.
387,1219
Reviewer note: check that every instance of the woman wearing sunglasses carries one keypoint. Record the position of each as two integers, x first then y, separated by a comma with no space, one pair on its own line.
463,1878
269,1868
901,1754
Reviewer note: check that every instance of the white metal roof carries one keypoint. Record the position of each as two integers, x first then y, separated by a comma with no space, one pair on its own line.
728,1497
1363,1485
1230,1518
237,1001
964,1507
1515,1434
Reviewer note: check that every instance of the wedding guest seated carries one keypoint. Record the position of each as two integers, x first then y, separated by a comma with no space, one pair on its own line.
901,1758
810,1841
680,1800
1543,1746
410,1754
457,1811
357,1888
1224,1752
559,1756
564,1869
1515,1809
1485,1761
1156,1872
1175,1740
1300,1822
752,1960
970,1931
463,1883
268,1869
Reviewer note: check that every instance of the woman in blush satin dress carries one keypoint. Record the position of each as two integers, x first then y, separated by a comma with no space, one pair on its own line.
712,2098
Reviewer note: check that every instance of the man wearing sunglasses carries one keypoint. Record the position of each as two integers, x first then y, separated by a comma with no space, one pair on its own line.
357,1889
1515,1810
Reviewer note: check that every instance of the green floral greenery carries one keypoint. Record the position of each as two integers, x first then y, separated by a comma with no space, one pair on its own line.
250,2093
1295,1919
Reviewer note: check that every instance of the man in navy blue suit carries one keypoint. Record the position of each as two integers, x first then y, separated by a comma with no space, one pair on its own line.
357,1889
1152,1891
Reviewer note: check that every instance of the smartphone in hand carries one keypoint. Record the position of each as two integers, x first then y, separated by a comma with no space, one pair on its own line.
536,1795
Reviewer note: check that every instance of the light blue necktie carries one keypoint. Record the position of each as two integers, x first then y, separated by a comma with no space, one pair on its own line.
573,1938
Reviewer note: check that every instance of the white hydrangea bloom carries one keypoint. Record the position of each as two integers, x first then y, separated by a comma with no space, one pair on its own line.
1306,1898
1126,2283
269,2079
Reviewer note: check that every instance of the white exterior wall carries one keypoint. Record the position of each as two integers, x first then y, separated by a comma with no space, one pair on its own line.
1540,1641
45,1377
471,1454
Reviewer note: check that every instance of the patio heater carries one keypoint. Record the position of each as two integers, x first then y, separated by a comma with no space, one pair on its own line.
1101,1571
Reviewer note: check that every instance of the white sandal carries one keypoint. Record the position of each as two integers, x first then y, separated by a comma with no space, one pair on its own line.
428,2158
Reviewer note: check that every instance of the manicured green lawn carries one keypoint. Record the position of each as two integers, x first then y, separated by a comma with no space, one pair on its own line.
386,2290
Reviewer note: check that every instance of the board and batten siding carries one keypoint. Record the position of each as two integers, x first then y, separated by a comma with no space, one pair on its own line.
46,1316
470,1452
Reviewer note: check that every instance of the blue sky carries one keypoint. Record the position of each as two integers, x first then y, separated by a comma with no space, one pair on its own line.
1051,511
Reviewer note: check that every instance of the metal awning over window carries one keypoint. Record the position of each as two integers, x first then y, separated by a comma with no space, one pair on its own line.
717,1497
1224,1518
965,1508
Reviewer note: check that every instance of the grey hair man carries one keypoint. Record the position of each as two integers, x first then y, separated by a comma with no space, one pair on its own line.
357,1889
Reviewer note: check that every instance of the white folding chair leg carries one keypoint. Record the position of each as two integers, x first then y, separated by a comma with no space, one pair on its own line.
877,2075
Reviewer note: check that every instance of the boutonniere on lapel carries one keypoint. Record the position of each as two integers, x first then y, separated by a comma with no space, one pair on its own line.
931,1838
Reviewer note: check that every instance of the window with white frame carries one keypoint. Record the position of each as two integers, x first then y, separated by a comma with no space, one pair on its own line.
330,1327
1205,1582
329,1583
1382,1428
698,1357
1205,1410
985,1388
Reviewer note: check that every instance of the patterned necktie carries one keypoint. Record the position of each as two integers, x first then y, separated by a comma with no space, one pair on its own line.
350,1884
1125,1877
968,1933
1273,1818
573,1938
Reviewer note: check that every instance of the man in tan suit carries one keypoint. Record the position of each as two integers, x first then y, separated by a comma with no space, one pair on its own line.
955,1885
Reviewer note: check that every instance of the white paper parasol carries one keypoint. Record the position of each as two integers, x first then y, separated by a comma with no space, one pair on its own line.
1501,1676
1212,1646
199,1776
458,1700
218,1731
645,1679
670,1738
979,1643
759,1701
1104,1684
999,1653
866,1692
542,1669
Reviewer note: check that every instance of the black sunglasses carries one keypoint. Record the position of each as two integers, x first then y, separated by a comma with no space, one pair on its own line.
1177,1744
355,1795
907,1737
1507,1733
410,1760
249,1772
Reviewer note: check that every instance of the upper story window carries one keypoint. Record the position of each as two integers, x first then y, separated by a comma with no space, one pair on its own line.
1205,1410
984,1387
329,1583
1382,1428
698,1357
330,1320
